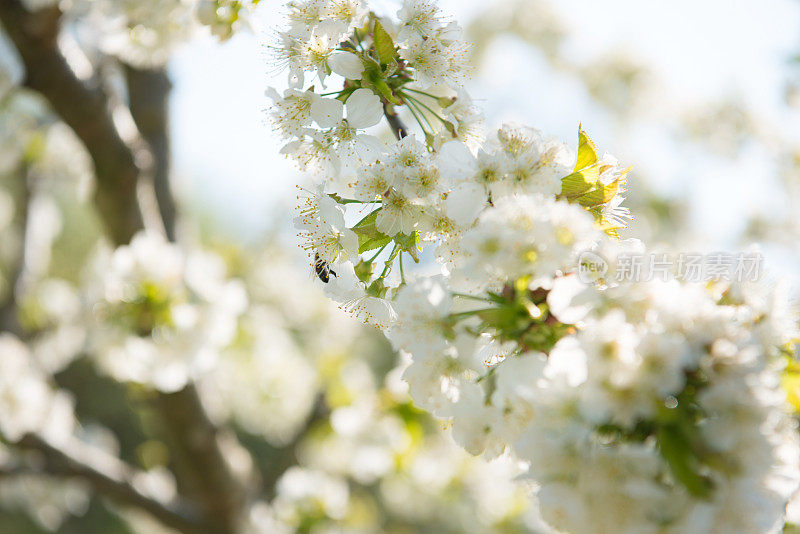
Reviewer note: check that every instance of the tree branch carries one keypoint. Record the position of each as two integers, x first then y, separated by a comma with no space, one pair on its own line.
203,471
83,105
148,100
112,479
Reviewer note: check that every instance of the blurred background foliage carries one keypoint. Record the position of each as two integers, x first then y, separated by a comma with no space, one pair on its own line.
313,399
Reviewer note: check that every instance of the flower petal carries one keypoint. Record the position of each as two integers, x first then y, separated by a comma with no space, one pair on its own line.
327,112
364,109
455,161
464,203
346,64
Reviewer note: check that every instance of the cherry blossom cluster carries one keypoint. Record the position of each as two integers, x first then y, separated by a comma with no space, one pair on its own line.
646,407
30,401
158,315
659,403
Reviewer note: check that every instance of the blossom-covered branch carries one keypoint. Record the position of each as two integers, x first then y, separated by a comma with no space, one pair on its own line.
648,406
203,470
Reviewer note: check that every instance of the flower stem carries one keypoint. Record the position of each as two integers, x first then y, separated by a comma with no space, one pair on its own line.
421,93
469,313
415,103
420,103
355,201
416,113
373,258
416,117
388,265
472,297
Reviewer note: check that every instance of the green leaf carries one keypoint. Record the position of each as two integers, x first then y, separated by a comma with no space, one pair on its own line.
384,45
374,78
368,242
386,92
369,238
500,318
587,152
578,183
369,220
598,196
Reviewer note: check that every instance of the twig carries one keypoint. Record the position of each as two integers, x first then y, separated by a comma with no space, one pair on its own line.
398,128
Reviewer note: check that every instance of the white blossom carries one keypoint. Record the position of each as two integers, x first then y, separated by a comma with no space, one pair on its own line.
28,401
161,315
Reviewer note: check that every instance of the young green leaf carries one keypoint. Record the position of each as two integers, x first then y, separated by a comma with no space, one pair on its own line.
369,238
384,45
598,196
587,152
578,183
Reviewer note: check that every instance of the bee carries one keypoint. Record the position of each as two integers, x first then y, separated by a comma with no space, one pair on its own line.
323,269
